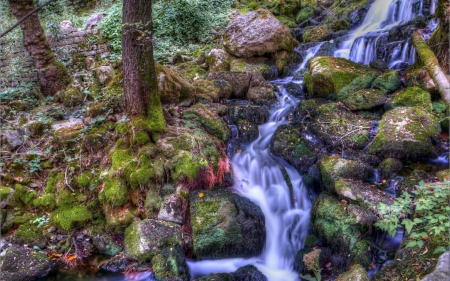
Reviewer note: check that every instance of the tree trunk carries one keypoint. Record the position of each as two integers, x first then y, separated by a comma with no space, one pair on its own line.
140,83
53,76
429,60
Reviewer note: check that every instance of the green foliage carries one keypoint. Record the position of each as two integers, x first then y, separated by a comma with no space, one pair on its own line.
431,213
111,27
40,221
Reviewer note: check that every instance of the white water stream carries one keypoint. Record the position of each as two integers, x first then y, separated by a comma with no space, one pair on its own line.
258,176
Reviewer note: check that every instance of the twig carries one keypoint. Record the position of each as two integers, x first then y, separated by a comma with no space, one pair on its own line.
66,181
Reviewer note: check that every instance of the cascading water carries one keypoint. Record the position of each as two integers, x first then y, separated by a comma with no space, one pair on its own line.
259,177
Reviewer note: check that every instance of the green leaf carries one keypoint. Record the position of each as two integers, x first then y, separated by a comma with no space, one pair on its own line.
411,244
408,224
439,250
308,277
420,243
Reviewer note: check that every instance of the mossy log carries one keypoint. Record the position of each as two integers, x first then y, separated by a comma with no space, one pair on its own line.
429,60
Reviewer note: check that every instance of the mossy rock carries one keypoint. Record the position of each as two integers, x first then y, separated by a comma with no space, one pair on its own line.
171,264
327,76
248,131
72,97
249,273
65,198
406,132
153,203
305,13
359,83
147,238
417,76
361,253
388,82
216,89
317,34
23,194
212,123
30,234
190,71
334,167
225,225
356,273
341,225
256,94
70,217
67,132
46,202
95,109
115,192
410,97
251,65
173,87
216,277
440,107
252,113
118,218
364,99
239,81
389,167
105,244
218,60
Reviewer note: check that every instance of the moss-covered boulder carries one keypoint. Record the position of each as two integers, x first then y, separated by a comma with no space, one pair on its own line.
388,82
332,168
252,113
218,60
389,167
173,88
72,96
326,76
356,273
338,127
170,264
409,97
317,34
418,76
239,81
288,143
11,139
30,234
66,132
252,65
363,99
66,218
215,89
257,33
105,244
256,94
104,74
190,71
341,225
147,238
445,124
22,264
225,225
211,122
441,272
406,132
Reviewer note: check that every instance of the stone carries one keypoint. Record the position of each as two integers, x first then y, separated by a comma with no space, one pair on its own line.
104,74
364,99
257,33
442,269
11,139
379,65
406,132
66,25
410,97
217,90
317,34
190,71
249,273
218,60
239,81
94,20
252,113
326,76
251,65
147,238
172,209
356,273
388,82
105,244
172,87
256,94
72,96
23,264
171,264
225,225
212,123
67,130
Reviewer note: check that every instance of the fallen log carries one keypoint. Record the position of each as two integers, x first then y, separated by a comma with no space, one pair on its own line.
431,63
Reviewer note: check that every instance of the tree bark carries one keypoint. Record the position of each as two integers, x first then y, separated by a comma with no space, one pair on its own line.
53,76
429,60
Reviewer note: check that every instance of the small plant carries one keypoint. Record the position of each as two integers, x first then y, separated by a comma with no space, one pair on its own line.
311,260
34,165
41,220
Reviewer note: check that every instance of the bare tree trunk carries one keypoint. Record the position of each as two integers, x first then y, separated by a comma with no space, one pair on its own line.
140,83
53,76
429,60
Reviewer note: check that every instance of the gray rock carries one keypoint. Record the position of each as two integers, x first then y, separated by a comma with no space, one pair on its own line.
257,33
104,74
218,60
94,20
66,25
442,269
171,209
11,139
356,273
22,264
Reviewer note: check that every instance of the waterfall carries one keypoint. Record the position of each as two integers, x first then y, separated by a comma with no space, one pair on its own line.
259,177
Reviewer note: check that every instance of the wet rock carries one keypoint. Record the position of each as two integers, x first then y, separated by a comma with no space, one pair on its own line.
147,238
11,139
173,87
216,277
379,65
389,167
171,264
257,94
225,225
442,270
211,122
252,113
218,60
288,143
410,97
356,273
104,74
333,167
105,244
249,273
326,76
94,20
248,131
364,99
294,90
122,263
359,83
239,81
341,225
388,82
317,34
257,33
22,264
406,133
171,210
215,89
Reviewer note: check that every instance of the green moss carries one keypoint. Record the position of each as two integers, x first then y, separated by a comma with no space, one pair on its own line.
190,70
141,138
24,194
317,34
388,82
305,13
47,202
78,59
211,122
115,87
68,218
120,158
65,198
141,176
361,253
186,167
170,264
115,192
29,233
84,179
440,107
410,97
153,203
4,192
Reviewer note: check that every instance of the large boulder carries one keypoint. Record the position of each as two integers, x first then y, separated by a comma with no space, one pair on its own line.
211,122
172,87
239,81
406,132
22,264
257,33
216,89
218,60
147,238
326,76
225,225
170,264
364,99
409,97
442,270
